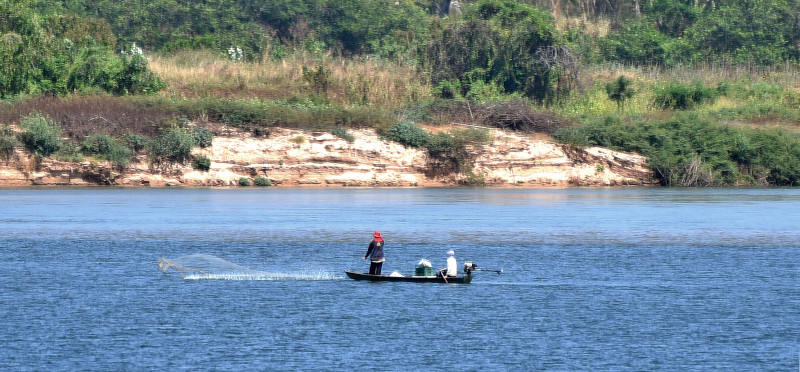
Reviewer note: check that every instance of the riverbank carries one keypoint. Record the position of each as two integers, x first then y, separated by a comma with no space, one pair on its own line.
297,158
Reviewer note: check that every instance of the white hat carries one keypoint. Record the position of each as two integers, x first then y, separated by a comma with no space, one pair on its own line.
451,253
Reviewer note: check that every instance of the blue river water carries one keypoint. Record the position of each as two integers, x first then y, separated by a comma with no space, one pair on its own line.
593,279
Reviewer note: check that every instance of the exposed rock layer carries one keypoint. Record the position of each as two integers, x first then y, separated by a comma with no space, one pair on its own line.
296,158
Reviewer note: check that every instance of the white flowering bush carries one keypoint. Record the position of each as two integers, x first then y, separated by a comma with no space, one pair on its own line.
135,50
235,54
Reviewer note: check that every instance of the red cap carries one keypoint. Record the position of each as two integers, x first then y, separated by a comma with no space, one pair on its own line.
377,234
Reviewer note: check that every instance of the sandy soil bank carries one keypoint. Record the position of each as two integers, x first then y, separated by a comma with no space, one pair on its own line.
323,160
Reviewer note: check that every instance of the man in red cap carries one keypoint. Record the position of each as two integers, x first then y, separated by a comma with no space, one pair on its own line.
375,254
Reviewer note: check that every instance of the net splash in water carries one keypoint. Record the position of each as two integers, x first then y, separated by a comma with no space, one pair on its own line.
208,267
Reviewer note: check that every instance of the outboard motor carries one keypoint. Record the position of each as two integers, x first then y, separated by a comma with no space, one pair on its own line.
469,267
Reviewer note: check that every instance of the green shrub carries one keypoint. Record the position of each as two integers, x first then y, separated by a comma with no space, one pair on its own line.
105,147
131,76
689,151
236,113
201,163
261,132
244,181
98,144
766,91
480,91
119,156
262,181
40,137
408,134
69,152
637,42
440,143
776,157
343,134
202,137
7,144
599,168
576,137
619,91
319,79
681,97
470,178
466,136
136,142
368,116
173,146
448,89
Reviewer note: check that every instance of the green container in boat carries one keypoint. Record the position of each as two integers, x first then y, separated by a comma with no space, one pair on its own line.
424,268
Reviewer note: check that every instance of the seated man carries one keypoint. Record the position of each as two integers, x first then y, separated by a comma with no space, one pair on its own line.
452,265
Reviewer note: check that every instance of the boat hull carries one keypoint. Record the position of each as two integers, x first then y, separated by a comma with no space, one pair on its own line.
465,279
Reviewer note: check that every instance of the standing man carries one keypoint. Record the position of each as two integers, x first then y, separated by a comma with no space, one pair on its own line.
375,254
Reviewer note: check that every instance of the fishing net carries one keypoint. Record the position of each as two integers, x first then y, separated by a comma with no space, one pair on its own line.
202,266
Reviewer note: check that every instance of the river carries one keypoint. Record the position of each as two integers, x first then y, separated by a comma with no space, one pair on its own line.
593,279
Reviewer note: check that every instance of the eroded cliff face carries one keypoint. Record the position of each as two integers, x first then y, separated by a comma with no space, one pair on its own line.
295,158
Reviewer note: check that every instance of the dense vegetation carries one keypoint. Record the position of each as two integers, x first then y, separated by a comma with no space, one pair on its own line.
60,54
707,90
650,32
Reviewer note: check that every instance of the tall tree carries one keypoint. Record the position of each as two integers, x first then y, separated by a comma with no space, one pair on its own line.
498,42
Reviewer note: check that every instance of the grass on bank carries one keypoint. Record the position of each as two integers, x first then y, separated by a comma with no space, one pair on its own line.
345,82
751,96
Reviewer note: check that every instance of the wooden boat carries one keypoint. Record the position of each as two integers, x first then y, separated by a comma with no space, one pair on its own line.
461,279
